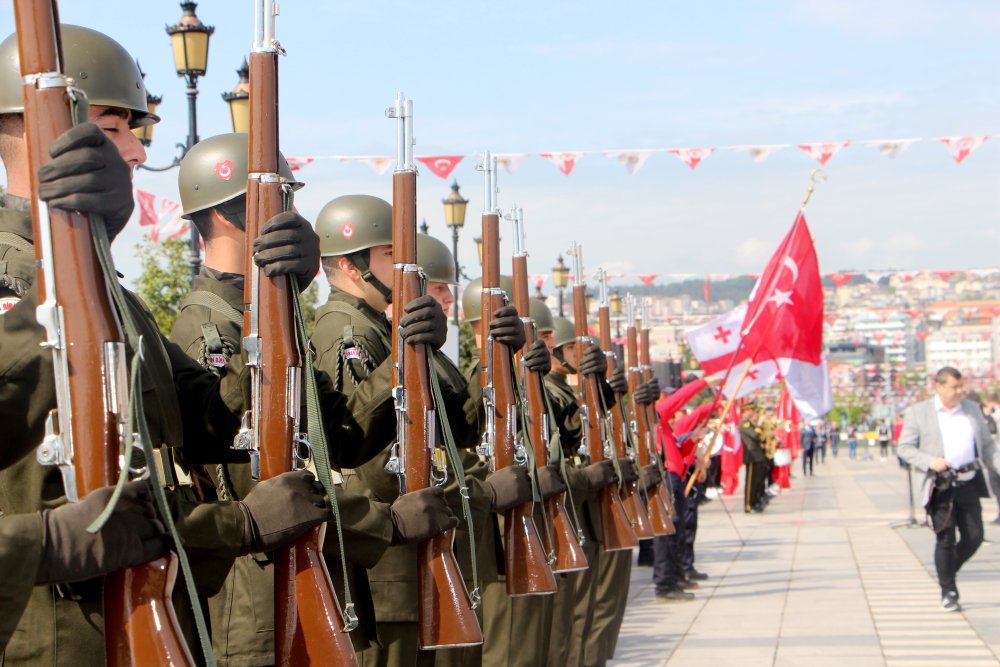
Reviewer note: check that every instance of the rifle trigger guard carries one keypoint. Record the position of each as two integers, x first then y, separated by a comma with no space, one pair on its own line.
301,450
141,472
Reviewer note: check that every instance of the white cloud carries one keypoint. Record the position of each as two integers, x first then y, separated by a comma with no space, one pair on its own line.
896,18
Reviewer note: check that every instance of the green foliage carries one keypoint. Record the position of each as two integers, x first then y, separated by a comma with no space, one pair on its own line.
310,302
466,346
165,279
855,413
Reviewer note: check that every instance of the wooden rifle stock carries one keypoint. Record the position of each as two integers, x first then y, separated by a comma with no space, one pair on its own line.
615,523
446,616
565,545
526,564
658,497
84,435
309,623
652,418
637,511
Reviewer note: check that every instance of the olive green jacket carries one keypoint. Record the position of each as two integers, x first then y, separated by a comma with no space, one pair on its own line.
20,552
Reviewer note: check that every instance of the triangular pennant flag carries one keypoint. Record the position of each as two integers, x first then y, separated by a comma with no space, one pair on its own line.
631,160
538,279
171,225
759,153
441,165
840,279
914,313
647,278
378,163
146,208
891,148
831,318
692,157
565,161
945,275
510,161
922,335
962,147
876,276
824,151
296,163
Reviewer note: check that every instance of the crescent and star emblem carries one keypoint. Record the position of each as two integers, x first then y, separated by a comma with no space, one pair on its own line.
224,170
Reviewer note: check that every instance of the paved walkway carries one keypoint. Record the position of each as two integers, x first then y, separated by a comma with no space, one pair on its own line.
820,579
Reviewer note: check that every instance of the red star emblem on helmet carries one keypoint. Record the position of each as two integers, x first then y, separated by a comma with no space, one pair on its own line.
224,170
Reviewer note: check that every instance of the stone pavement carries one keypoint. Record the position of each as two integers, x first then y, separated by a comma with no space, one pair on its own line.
821,578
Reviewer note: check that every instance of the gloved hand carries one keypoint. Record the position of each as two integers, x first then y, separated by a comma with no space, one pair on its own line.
510,486
507,328
600,475
647,393
131,536
650,475
420,515
594,361
288,245
88,174
537,357
618,381
629,472
424,322
550,482
279,510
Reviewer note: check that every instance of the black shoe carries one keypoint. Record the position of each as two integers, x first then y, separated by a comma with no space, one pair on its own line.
688,585
674,595
644,562
695,575
949,601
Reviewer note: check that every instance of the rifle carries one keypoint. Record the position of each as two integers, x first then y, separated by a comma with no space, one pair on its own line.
309,624
447,617
620,433
653,418
564,543
86,432
660,504
615,523
526,563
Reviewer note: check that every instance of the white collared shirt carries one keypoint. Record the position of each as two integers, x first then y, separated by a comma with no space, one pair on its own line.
958,436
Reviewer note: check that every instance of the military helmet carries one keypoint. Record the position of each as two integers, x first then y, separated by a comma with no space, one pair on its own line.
472,297
542,315
98,64
436,260
565,332
352,223
215,171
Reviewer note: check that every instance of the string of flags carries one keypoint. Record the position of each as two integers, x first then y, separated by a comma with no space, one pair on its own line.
959,147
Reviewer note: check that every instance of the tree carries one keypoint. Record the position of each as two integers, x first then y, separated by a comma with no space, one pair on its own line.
309,301
165,279
466,346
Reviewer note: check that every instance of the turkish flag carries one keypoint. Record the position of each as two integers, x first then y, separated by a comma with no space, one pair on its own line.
732,451
692,157
840,279
961,147
565,161
441,165
831,318
824,151
647,278
296,163
147,208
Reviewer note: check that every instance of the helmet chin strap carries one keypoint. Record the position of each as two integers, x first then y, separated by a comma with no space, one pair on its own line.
558,354
360,260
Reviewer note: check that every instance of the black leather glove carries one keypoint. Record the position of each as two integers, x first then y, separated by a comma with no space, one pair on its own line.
279,510
511,486
424,322
600,475
288,245
420,515
132,535
88,174
647,393
537,358
618,381
629,472
650,475
507,328
594,361
550,482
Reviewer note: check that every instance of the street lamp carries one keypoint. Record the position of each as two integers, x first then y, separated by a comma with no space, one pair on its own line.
560,278
239,100
617,308
454,216
479,249
144,133
424,227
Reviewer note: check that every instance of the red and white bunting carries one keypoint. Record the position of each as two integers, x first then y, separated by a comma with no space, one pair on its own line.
891,148
510,161
840,279
759,153
565,161
296,163
692,157
146,207
647,278
538,279
962,147
824,151
632,160
876,276
378,163
441,165
171,225
945,275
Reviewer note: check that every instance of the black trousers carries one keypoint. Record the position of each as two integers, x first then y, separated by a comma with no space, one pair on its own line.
755,485
955,508
667,549
691,526
807,460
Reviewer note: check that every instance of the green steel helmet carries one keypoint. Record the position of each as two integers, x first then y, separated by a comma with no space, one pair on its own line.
472,297
542,315
98,64
352,223
215,171
565,332
436,260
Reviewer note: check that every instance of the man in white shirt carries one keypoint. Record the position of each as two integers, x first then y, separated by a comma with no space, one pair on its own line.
948,438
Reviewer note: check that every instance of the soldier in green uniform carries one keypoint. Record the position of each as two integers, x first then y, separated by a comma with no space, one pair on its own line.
352,343
755,483
188,422
209,328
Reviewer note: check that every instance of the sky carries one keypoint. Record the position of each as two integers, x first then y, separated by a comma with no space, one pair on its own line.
563,76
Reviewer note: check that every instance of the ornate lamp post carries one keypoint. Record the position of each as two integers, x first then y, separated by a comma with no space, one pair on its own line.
560,278
454,216
239,100
144,133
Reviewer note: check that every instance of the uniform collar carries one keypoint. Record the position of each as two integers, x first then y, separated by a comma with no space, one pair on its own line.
558,378
16,220
359,304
